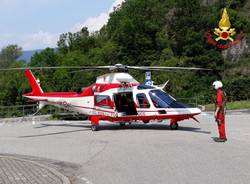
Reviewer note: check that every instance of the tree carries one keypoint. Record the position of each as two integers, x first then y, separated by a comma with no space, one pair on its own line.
81,41
46,58
135,29
9,54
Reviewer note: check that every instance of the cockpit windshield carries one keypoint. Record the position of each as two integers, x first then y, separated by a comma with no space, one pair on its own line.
161,99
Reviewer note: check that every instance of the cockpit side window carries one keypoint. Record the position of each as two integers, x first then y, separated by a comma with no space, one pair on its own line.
142,100
103,101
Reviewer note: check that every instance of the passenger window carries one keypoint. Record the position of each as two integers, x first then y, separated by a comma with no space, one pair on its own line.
103,101
142,100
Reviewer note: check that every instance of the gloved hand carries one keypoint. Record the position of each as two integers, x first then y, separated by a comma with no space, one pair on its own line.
218,121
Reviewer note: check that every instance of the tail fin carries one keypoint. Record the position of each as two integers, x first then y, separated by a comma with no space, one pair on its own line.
34,83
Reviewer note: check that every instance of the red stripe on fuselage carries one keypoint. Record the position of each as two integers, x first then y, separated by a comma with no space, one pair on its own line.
135,117
179,117
54,95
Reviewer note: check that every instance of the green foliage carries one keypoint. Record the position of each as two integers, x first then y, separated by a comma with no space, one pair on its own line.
137,29
236,4
238,88
8,55
80,41
10,82
244,104
47,57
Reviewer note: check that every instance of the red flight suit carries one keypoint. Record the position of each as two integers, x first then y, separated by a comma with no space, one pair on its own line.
220,100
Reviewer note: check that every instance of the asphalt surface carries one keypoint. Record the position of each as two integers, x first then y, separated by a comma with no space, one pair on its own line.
135,154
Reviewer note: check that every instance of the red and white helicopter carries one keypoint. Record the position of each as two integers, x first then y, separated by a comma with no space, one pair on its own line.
116,97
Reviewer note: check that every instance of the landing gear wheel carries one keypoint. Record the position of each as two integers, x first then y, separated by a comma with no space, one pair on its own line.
122,124
94,128
174,126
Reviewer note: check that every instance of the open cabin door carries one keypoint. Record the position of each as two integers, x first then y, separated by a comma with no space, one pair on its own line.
125,104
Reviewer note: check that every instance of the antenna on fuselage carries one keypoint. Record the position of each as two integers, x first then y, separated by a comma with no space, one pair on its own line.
148,81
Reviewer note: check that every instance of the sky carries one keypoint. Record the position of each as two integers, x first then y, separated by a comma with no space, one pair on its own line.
37,24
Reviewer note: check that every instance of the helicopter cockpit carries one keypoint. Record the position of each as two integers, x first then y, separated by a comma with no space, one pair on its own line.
159,98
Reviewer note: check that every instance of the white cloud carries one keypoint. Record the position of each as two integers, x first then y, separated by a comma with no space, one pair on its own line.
97,22
39,40
117,3
93,23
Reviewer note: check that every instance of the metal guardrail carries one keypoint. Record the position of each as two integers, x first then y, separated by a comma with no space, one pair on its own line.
202,100
27,110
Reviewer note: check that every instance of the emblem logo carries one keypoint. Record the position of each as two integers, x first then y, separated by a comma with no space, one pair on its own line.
225,34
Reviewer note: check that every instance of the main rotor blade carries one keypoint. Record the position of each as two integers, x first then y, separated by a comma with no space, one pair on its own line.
57,67
118,67
165,68
83,70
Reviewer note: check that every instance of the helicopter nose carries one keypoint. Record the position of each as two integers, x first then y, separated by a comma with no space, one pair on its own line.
195,111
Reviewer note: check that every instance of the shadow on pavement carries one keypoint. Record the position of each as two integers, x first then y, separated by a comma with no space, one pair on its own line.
149,127
44,125
112,127
55,133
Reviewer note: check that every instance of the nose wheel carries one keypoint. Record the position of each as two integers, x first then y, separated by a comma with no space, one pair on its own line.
174,126
94,128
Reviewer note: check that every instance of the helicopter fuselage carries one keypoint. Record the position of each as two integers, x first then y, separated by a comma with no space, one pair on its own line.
115,97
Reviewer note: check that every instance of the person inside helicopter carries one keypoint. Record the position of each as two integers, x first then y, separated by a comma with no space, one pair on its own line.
125,104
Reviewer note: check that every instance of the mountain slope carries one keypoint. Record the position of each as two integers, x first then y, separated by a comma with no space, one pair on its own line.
26,55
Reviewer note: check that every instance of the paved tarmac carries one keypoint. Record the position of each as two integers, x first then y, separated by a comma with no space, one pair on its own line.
135,154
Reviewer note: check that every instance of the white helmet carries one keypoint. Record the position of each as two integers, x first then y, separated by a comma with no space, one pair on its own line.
217,84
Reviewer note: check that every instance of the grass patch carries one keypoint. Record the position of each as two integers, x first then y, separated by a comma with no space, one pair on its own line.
231,105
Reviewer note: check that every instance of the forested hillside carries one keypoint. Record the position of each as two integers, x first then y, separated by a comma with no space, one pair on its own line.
146,33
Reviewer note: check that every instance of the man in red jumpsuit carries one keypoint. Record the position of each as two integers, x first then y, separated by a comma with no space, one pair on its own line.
219,113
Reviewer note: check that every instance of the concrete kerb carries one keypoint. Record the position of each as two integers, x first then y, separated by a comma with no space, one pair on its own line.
26,118
63,178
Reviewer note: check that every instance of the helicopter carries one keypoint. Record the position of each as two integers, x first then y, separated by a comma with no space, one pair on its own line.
116,97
